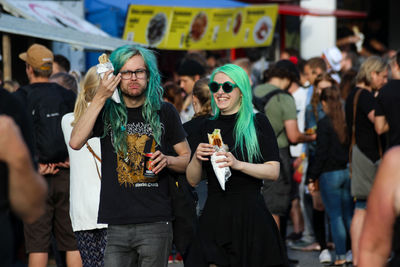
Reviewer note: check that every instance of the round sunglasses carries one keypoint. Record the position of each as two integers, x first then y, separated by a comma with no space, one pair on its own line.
226,86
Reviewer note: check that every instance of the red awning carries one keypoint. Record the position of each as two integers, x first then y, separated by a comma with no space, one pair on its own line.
294,10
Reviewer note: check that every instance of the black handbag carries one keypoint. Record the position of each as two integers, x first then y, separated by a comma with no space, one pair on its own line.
183,201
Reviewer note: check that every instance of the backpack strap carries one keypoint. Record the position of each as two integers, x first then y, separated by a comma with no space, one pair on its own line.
353,126
261,102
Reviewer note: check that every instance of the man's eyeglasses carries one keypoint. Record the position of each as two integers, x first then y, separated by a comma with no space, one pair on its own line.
139,74
226,86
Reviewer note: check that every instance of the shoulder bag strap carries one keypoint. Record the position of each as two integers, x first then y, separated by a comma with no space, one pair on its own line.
353,126
95,156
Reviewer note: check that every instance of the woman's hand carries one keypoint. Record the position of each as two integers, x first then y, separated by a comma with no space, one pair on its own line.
203,151
228,161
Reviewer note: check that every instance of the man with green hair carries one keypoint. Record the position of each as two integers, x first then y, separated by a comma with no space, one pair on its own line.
135,134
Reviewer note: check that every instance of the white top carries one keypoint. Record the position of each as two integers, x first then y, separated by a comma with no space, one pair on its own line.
300,98
84,191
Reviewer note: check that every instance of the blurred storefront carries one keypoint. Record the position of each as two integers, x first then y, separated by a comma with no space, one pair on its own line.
49,23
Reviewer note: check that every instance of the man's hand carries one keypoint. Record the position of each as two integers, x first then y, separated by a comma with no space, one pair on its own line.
108,85
48,168
159,161
64,164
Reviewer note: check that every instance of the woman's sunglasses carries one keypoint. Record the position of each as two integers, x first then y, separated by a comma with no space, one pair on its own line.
226,86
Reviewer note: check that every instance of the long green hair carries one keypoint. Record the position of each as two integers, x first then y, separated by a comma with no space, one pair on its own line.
116,115
244,131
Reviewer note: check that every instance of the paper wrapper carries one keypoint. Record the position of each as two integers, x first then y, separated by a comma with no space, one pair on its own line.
102,68
222,174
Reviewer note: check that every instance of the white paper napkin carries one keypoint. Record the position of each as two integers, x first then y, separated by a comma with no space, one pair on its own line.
101,70
222,174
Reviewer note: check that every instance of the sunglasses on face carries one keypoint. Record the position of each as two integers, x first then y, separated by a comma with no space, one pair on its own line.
226,86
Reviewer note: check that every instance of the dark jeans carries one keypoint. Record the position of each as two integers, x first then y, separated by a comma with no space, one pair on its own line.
201,190
142,245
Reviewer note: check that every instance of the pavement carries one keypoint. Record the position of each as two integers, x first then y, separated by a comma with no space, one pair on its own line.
305,258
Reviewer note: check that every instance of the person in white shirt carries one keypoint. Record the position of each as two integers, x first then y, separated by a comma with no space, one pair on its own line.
85,176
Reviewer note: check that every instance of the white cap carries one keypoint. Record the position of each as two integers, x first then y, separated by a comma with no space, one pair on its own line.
334,56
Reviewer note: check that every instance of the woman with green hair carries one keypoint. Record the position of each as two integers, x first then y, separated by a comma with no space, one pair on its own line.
236,228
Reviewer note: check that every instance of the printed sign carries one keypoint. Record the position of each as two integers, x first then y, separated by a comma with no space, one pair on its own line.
182,28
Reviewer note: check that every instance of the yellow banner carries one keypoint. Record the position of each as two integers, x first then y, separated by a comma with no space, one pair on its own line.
182,28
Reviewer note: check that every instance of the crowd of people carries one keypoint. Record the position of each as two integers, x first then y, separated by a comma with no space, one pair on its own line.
208,166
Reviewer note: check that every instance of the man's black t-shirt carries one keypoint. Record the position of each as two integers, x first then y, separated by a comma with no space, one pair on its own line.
10,106
388,105
127,196
366,137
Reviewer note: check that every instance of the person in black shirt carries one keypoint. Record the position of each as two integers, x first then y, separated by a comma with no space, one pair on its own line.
236,228
135,135
330,168
387,112
365,152
22,189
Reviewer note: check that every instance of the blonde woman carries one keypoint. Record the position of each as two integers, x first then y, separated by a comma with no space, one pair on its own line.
85,175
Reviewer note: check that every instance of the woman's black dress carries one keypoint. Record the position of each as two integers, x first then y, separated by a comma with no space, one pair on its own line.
236,229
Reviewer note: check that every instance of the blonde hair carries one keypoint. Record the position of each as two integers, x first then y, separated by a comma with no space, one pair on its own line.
88,90
203,94
371,64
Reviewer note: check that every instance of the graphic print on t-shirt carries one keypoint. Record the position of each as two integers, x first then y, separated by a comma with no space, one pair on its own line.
130,168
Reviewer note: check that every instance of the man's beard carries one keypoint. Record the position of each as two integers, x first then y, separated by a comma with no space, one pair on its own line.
137,94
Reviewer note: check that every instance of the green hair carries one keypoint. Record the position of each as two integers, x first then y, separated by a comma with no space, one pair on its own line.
244,131
116,115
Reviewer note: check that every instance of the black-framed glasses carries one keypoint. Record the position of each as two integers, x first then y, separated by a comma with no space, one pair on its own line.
226,86
139,74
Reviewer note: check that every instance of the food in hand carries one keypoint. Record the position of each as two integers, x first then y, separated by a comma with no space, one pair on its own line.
224,173
310,131
215,138
103,58
104,66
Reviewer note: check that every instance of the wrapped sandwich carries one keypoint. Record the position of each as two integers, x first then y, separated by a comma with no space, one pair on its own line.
222,174
104,66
